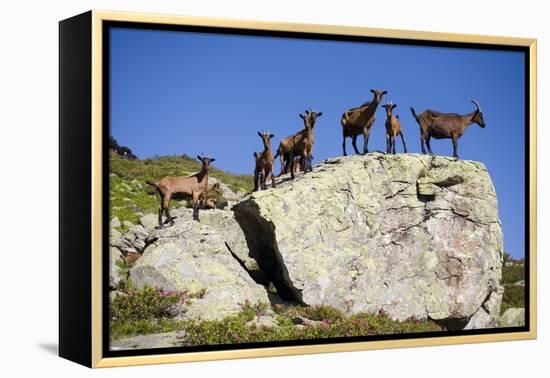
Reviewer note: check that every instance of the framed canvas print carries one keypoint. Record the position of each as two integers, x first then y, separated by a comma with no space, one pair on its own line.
235,189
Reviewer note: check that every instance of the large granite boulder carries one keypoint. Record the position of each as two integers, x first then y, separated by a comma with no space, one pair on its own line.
414,235
208,260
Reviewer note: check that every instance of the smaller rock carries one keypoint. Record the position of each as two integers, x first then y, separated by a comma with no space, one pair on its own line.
114,235
115,222
300,320
513,317
263,321
158,340
128,224
116,274
487,315
149,221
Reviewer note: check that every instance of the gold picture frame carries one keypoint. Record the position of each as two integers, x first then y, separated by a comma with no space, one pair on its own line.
91,26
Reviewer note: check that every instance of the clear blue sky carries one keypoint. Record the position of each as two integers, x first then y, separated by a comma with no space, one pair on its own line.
176,92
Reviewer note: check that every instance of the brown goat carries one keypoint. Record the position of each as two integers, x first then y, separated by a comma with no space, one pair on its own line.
265,162
299,144
192,186
439,125
393,129
359,120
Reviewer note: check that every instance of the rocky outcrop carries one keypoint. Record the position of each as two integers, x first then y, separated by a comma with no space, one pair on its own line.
208,261
413,235
417,236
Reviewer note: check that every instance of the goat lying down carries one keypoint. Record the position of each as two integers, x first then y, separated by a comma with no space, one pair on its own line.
192,186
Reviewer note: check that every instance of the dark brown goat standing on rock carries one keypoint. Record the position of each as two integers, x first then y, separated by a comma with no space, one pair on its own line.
446,126
265,162
192,186
393,129
359,120
299,144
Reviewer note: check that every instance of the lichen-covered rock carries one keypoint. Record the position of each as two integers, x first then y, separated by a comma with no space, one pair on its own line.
488,315
206,260
414,235
513,317
156,340
116,275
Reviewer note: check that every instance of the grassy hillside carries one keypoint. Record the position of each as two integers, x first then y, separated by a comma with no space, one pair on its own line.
131,198
514,295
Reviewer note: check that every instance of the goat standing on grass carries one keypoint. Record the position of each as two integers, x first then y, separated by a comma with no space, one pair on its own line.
393,129
299,144
446,126
359,120
265,162
192,186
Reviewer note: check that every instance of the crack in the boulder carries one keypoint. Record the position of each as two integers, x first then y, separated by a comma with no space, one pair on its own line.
260,238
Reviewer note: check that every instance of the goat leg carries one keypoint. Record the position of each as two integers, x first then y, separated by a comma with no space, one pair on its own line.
272,176
291,161
428,145
256,179
195,197
455,147
169,219
393,142
387,144
403,140
344,146
422,145
160,225
263,186
366,134
354,144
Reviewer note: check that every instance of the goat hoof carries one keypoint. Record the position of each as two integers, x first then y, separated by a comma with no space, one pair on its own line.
159,227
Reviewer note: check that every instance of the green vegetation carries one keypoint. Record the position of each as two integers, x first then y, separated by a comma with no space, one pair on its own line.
150,310
330,323
513,271
144,311
514,296
131,197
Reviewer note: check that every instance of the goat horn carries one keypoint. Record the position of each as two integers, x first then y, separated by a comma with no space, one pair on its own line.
477,104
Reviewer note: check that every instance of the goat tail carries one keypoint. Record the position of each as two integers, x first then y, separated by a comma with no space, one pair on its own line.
414,115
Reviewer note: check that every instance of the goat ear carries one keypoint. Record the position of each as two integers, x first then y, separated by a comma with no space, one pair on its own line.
271,135
384,92
198,157
319,114
259,134
372,90
394,106
301,115
212,160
